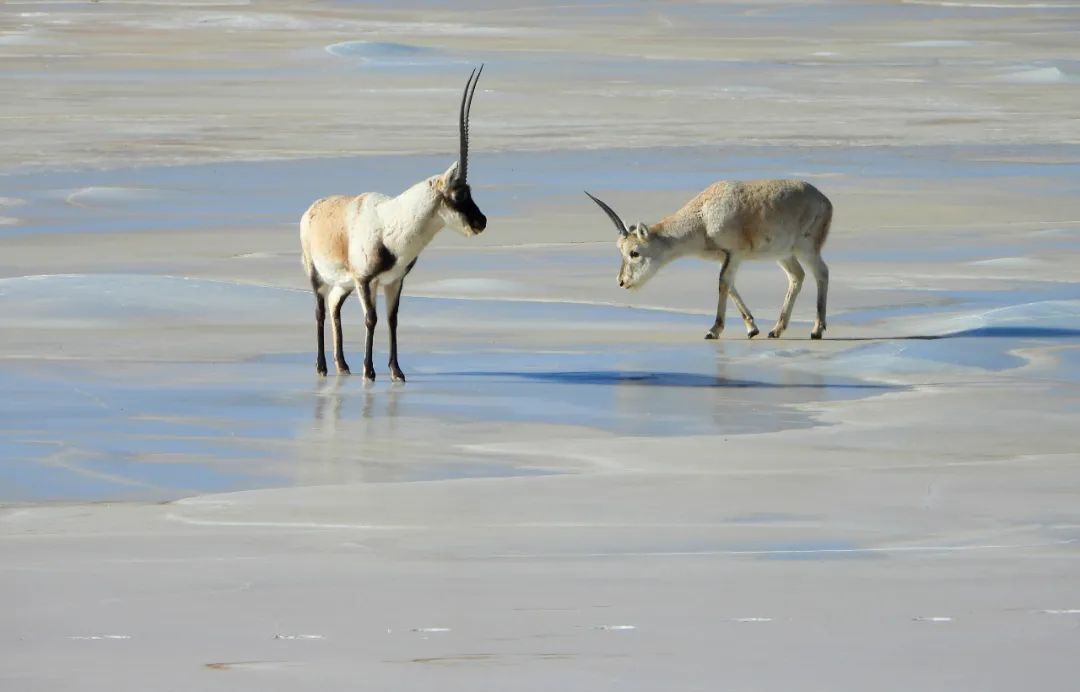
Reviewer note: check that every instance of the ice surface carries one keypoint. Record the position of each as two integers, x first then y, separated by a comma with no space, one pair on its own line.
1039,75
385,54
574,490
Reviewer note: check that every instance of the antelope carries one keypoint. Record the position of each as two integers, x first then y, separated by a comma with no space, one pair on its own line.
370,240
731,221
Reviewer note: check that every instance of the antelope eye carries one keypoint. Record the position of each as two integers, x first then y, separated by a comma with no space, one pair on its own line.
634,254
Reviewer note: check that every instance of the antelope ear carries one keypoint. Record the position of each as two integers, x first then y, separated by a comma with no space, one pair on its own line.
642,231
450,175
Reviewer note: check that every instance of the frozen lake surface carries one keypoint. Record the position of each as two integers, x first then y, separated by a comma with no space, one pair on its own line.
574,489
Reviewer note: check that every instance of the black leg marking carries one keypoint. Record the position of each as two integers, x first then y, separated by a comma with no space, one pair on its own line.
320,322
339,349
370,320
393,301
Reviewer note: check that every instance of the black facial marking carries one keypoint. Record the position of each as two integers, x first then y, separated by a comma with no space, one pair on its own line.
384,260
459,198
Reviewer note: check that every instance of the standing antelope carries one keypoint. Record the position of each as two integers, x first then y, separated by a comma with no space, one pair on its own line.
358,243
732,221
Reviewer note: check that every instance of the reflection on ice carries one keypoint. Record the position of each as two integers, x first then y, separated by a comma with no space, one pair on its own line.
160,430
140,428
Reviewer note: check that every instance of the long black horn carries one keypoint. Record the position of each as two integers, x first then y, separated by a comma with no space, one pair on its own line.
611,213
463,122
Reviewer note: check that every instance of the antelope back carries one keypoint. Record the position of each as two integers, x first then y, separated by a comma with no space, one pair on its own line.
324,229
758,215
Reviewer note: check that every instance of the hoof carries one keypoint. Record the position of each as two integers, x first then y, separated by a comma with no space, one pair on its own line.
369,375
709,336
397,376
815,335
321,370
344,370
752,333
774,334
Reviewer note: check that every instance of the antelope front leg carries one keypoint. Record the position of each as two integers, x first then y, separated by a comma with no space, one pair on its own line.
726,284
393,300
748,319
363,287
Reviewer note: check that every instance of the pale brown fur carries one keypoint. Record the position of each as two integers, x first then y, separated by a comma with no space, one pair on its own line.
324,231
826,224
732,221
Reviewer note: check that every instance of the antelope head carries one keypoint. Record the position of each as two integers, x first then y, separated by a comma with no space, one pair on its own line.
456,206
643,252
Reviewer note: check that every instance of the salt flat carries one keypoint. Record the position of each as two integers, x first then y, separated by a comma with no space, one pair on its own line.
574,489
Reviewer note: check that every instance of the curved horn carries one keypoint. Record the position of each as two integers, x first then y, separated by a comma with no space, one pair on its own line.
611,213
463,122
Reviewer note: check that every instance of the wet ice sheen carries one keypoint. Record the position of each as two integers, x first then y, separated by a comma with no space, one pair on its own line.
162,429
375,54
123,438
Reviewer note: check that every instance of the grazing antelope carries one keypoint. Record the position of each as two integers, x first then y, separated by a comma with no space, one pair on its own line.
732,221
359,243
